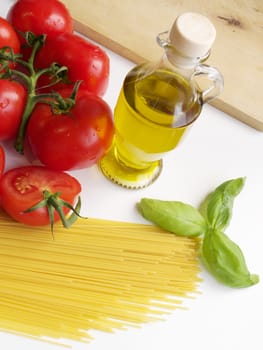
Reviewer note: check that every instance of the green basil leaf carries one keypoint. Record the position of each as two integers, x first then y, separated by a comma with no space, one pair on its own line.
224,259
173,216
217,207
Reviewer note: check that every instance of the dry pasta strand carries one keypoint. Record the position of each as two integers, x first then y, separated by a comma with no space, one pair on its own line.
99,275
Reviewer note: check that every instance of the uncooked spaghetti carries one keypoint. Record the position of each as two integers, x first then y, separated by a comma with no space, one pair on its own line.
98,275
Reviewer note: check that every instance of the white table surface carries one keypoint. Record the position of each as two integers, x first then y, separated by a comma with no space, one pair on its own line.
216,149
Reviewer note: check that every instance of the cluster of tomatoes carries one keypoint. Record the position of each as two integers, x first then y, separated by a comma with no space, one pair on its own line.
52,83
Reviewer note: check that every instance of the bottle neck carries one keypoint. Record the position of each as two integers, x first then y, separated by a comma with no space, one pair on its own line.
176,59
182,62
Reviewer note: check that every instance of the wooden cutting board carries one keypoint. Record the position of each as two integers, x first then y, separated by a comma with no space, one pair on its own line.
129,28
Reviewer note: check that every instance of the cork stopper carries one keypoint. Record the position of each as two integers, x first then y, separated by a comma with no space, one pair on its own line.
192,34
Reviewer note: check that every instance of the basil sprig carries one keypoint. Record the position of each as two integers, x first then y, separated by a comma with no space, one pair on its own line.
221,256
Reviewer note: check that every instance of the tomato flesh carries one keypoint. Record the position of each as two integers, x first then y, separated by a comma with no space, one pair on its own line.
21,188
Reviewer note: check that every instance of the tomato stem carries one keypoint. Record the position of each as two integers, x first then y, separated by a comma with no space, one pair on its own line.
7,56
30,104
30,80
53,202
64,105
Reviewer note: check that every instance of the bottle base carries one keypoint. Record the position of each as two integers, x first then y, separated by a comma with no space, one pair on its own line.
127,177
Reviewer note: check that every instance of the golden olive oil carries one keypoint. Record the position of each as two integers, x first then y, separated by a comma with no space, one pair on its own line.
159,100
151,115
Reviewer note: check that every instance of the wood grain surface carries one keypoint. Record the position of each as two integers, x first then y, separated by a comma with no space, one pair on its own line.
129,28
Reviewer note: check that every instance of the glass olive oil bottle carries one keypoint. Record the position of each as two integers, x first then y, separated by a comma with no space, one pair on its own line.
158,101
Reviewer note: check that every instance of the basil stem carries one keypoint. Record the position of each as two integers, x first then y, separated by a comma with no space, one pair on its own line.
225,261
217,207
173,216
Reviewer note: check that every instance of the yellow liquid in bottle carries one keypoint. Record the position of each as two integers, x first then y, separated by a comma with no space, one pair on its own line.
150,118
152,113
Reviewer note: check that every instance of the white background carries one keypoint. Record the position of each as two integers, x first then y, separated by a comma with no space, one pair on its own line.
216,149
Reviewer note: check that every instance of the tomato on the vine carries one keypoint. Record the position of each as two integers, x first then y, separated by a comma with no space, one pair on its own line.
85,61
8,36
75,139
2,160
24,187
12,103
50,17
8,40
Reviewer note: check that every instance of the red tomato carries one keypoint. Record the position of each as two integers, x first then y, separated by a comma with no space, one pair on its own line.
85,61
12,102
8,36
2,160
21,188
50,17
74,140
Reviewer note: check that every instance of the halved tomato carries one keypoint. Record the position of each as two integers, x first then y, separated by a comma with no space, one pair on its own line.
24,188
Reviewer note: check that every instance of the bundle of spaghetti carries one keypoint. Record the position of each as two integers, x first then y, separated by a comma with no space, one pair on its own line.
98,275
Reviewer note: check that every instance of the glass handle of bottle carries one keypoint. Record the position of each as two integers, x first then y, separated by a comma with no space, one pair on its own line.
209,77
